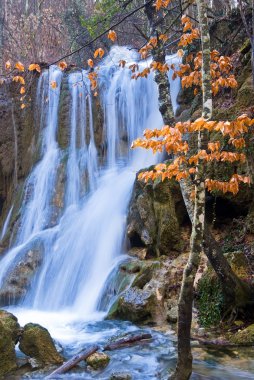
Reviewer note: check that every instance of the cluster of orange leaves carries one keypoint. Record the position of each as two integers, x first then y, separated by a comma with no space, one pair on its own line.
99,53
190,72
174,141
161,4
20,68
189,32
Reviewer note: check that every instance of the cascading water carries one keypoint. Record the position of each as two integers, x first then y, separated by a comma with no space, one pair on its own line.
77,265
83,246
79,252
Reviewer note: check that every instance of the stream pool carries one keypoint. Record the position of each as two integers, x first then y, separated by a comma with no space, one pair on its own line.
150,360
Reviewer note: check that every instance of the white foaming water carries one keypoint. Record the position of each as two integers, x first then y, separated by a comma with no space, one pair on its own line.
83,248
6,223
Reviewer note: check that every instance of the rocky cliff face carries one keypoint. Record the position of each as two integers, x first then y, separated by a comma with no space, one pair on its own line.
18,139
155,214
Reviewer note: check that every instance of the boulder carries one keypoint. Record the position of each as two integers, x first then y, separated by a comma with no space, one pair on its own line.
9,331
154,290
98,360
135,305
155,212
10,323
244,337
172,314
37,343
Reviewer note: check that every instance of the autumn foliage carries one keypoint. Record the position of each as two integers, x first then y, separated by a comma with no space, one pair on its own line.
174,140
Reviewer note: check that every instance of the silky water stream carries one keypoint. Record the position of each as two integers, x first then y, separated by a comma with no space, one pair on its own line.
83,244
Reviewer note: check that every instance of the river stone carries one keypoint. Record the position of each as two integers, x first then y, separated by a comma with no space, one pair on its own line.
172,314
9,330
120,376
98,360
37,343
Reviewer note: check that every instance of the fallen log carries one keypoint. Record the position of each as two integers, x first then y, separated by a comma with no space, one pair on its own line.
120,343
126,341
73,361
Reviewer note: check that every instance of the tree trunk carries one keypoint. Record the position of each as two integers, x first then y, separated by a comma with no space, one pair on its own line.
184,360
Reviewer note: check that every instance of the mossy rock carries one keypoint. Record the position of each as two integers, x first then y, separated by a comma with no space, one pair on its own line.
98,360
239,263
9,333
10,323
244,337
135,305
245,94
37,343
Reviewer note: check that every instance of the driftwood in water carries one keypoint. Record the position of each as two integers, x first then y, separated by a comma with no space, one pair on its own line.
126,341
73,361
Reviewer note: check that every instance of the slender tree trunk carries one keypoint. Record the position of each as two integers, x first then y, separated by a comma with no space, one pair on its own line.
1,34
184,361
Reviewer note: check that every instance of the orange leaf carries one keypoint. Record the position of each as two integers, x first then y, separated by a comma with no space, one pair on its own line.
34,66
22,106
7,65
18,79
90,63
112,35
19,66
122,63
53,84
99,52
22,90
62,65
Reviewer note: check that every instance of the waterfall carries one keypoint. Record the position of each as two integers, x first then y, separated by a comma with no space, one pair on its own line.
81,250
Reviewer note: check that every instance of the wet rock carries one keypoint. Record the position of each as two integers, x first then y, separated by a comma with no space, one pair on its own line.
9,330
120,376
152,221
19,279
98,360
10,323
37,343
154,290
136,305
172,314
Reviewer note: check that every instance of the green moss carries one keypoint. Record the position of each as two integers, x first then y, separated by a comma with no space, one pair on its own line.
244,337
98,360
246,94
210,300
7,351
37,343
